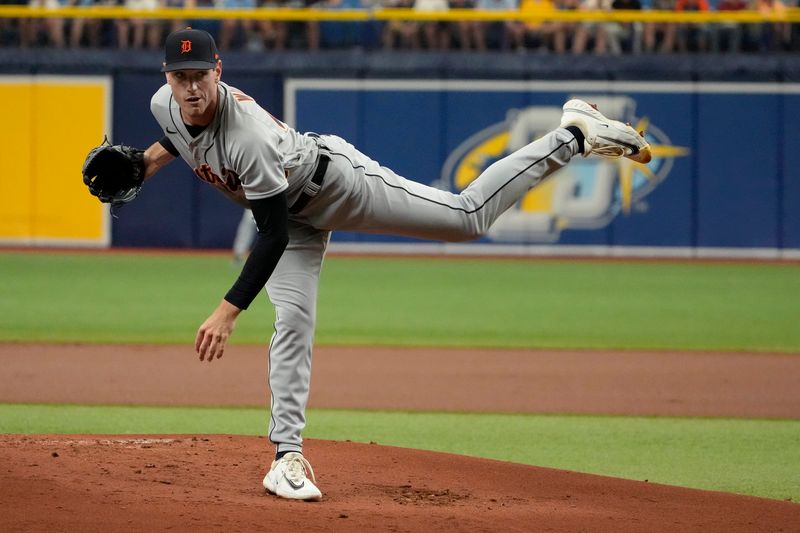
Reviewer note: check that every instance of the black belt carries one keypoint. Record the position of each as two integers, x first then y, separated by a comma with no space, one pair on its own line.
312,187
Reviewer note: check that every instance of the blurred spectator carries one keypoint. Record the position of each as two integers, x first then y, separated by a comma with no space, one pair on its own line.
727,36
538,34
435,34
595,32
274,33
280,34
628,35
210,25
342,34
499,34
400,33
563,32
533,30
312,30
136,32
53,28
597,37
234,31
771,36
10,28
467,30
692,37
178,24
660,36
88,30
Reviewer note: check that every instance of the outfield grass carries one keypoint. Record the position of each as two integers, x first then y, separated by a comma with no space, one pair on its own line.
125,298
755,457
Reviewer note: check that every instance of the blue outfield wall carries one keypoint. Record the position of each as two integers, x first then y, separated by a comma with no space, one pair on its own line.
724,175
726,143
175,209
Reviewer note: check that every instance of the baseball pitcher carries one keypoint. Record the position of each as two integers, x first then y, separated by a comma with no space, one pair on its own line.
302,186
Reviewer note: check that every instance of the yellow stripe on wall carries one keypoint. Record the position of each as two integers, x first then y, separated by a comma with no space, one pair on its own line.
58,120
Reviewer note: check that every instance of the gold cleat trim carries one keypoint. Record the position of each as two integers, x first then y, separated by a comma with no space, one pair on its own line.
643,156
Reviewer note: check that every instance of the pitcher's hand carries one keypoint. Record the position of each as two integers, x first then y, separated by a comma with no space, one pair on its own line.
214,333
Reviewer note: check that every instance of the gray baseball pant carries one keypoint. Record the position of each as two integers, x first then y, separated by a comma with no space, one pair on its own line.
360,195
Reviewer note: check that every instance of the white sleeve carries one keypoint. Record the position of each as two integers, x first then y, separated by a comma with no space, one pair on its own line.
159,105
257,161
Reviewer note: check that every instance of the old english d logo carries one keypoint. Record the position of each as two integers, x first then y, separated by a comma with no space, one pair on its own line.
186,46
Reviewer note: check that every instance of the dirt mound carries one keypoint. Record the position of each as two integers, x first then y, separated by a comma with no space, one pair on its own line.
213,483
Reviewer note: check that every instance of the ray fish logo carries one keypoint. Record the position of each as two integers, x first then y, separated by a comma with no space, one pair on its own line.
586,194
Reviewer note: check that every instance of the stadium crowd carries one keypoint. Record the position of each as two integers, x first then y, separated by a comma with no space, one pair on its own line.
558,37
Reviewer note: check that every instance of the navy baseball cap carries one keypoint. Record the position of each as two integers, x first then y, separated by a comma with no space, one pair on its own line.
189,49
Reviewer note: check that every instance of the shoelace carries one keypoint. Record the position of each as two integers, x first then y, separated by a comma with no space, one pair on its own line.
296,468
609,151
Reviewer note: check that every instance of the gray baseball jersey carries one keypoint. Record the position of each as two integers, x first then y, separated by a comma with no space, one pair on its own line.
245,150
246,147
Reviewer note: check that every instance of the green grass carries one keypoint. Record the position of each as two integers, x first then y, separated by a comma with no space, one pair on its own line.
488,303
755,457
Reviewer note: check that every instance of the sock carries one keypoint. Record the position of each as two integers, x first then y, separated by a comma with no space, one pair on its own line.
576,131
279,455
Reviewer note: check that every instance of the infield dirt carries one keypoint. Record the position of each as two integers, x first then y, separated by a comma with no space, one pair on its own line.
212,482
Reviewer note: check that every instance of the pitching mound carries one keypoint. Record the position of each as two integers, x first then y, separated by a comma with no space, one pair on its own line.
213,483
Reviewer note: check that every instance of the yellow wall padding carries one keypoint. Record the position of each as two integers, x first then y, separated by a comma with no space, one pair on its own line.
52,123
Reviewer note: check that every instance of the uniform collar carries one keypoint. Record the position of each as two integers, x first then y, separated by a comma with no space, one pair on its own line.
207,136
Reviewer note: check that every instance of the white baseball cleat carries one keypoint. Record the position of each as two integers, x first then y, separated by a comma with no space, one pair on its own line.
604,137
287,478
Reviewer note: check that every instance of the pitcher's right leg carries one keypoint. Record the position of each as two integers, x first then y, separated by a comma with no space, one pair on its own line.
364,196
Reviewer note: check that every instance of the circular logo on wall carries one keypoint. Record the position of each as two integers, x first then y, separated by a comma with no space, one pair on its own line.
585,195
